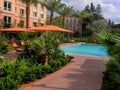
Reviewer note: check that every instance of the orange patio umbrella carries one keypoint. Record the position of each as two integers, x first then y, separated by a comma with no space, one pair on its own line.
16,29
39,29
56,28
67,31
51,28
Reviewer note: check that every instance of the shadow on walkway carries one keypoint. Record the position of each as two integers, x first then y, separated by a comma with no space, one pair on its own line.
87,77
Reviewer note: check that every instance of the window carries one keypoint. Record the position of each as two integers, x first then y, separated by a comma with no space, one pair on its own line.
78,21
66,21
7,21
7,5
21,12
34,14
21,24
41,24
34,6
74,21
41,16
34,24
42,8
21,2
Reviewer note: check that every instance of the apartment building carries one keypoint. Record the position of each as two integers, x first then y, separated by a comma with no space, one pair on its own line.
13,13
72,23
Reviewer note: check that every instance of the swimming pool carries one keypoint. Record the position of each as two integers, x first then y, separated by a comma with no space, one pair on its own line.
86,49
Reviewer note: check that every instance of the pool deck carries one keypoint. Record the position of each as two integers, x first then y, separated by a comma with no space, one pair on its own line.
83,73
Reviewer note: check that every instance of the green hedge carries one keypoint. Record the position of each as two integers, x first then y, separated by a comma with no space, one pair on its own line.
111,79
83,39
20,72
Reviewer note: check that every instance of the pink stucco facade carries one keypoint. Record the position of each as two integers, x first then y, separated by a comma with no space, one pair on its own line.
11,10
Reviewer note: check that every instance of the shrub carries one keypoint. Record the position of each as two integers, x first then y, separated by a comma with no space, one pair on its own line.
29,74
46,69
111,79
55,65
84,39
12,76
20,71
7,83
3,45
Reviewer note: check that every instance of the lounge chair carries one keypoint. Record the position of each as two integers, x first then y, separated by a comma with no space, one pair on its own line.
15,44
95,41
16,47
22,42
71,41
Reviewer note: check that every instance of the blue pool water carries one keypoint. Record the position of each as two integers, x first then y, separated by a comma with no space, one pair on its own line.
86,49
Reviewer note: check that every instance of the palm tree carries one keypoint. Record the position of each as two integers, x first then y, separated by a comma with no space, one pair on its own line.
111,41
111,78
28,4
45,47
82,15
52,6
65,11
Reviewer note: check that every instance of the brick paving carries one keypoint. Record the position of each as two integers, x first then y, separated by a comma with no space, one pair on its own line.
83,73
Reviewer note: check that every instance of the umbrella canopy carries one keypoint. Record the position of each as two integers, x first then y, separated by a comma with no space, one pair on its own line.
51,28
16,29
39,29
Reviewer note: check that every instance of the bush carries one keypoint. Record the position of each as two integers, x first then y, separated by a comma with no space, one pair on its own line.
3,45
12,76
111,79
55,65
46,69
84,39
20,71
29,74
7,83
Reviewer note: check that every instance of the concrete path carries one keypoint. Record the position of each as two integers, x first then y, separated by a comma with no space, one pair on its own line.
83,73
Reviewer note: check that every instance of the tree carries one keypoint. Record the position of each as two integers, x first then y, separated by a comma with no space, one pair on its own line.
52,6
64,11
87,8
109,22
28,4
98,9
46,46
97,26
82,15
92,8
57,21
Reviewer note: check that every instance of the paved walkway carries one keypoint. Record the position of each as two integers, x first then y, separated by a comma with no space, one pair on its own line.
83,73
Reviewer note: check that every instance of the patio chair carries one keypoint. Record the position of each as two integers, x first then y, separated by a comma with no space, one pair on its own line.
15,44
95,41
22,42
17,47
71,41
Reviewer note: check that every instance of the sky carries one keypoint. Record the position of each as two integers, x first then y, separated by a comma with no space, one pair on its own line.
110,8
